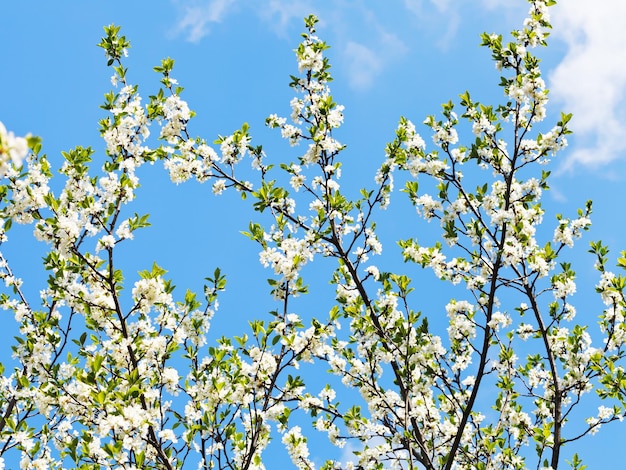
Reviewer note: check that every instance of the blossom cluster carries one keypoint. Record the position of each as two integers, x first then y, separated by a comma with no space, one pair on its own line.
13,150
142,385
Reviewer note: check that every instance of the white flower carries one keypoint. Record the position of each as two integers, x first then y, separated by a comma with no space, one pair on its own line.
373,271
298,450
499,320
563,288
12,150
218,187
445,135
524,331
327,394
107,241
469,381
604,412
427,206
168,435
123,231
335,116
170,379
310,59
148,292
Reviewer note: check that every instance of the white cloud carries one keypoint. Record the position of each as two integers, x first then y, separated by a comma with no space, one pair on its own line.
590,81
415,6
446,15
363,65
365,45
347,453
197,17
364,60
286,12
493,4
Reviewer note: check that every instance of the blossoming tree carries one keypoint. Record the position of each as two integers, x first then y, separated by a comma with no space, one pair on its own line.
112,376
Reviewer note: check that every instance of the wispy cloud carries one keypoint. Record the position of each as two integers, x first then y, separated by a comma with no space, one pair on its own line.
366,46
364,60
197,17
421,7
492,4
445,13
363,65
280,15
590,81
415,6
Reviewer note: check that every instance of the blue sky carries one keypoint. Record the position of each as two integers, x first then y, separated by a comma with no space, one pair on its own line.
234,58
